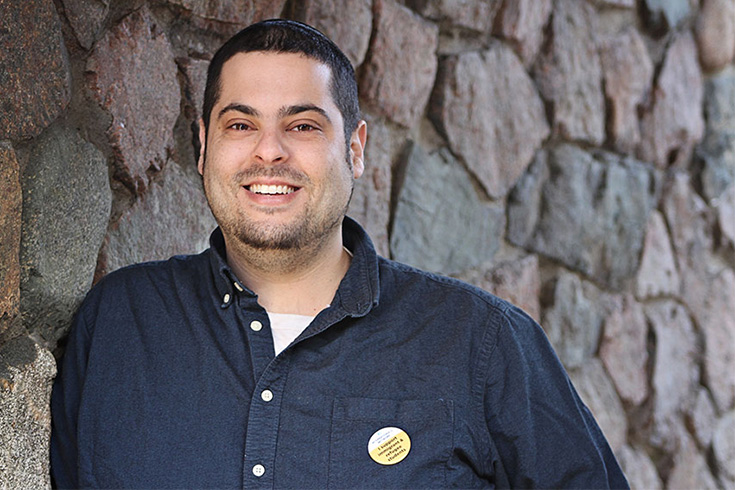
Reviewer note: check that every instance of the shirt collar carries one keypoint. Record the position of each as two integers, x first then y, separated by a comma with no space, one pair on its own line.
358,292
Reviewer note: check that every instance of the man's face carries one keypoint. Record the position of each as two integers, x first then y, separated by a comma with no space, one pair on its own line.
277,173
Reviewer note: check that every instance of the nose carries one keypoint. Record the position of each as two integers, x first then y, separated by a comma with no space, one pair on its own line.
269,147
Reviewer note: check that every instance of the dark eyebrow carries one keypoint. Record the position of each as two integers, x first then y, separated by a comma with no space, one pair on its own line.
245,109
298,109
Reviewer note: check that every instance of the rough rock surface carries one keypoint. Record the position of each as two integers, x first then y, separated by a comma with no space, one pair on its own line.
171,218
657,274
725,208
492,115
638,468
350,32
569,74
574,321
715,33
26,371
471,14
132,75
521,23
701,418
628,73
31,49
393,84
454,233
667,14
690,468
589,212
624,350
66,207
86,18
233,11
674,124
11,202
724,448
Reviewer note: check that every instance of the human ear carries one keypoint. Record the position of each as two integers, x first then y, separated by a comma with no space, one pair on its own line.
202,143
357,149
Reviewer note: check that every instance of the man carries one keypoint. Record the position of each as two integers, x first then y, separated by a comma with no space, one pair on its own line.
289,354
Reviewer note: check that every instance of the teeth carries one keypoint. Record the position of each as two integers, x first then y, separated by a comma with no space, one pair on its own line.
271,189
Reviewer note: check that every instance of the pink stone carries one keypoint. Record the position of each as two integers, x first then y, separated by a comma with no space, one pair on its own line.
11,202
624,352
725,208
690,467
628,72
86,18
521,23
492,115
477,15
393,84
132,75
657,275
638,468
702,417
233,11
715,33
723,446
674,123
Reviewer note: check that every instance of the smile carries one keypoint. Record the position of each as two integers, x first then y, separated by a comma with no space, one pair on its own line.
271,189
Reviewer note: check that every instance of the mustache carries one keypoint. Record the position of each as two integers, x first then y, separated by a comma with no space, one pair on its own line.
281,171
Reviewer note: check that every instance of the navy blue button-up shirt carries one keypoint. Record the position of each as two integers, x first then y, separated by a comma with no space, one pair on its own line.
170,381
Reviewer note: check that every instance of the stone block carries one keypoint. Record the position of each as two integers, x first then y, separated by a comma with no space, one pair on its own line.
674,122
723,445
132,74
86,19
598,393
66,209
26,372
521,23
587,211
638,468
233,11
400,68
628,73
690,469
688,220
715,33
702,417
350,32
624,350
573,321
675,379
35,81
489,110
657,275
449,234
716,153
171,218
666,14
569,74
11,203
477,15
516,281
725,209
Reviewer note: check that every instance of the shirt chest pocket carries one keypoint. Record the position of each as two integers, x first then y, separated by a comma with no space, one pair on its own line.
389,443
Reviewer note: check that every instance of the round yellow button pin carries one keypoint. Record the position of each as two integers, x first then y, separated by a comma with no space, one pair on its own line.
389,445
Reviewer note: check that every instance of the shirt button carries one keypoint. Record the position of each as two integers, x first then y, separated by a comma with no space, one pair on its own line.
266,395
258,470
255,325
226,298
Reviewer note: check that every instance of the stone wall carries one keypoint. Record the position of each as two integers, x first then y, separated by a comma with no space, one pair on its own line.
575,157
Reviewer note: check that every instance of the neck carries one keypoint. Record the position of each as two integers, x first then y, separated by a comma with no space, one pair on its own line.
298,281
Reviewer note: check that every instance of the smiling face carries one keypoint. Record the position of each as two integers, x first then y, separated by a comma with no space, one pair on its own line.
276,173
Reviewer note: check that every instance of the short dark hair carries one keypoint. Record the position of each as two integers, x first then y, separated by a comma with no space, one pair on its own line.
288,36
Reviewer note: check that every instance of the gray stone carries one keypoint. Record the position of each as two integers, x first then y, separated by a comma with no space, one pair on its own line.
11,203
638,468
195,80
666,14
716,154
132,74
66,208
171,218
440,224
674,123
675,378
521,23
690,468
687,218
233,11
715,33
86,18
624,350
569,74
657,275
598,393
723,446
725,209
350,32
477,15
628,72
370,204
492,115
574,320
702,417
26,372
395,84
589,212
35,81
516,281
616,3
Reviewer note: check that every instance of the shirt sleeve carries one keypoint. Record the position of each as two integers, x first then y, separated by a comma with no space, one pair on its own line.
65,401
544,434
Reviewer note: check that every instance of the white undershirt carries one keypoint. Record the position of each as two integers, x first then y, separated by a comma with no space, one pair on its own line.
286,327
